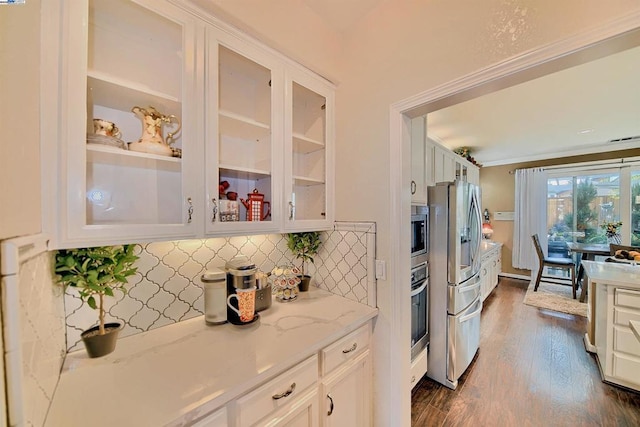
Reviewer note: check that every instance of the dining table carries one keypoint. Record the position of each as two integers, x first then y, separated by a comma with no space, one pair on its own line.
589,252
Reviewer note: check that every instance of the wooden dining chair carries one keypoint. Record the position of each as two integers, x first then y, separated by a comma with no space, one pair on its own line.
563,263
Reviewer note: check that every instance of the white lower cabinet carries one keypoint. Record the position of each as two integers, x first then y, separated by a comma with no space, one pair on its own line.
617,347
346,394
302,413
331,388
491,267
278,393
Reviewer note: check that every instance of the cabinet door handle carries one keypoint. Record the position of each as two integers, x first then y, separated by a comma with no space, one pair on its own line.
413,187
285,393
330,411
291,211
189,210
214,211
353,348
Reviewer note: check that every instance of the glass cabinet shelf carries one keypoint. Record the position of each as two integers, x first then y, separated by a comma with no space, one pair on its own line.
304,181
304,144
107,154
242,127
227,171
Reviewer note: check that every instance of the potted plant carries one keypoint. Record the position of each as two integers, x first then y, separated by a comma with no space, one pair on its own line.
304,246
97,272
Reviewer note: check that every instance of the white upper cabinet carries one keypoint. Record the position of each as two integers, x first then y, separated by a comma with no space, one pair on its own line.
308,155
244,137
419,166
193,114
132,67
448,166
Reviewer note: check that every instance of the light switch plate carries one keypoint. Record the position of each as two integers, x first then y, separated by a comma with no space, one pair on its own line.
381,269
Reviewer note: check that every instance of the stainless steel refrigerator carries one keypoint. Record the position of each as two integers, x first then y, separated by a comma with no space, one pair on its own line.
454,260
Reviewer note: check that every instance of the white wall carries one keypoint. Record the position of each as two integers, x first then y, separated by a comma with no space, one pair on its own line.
19,119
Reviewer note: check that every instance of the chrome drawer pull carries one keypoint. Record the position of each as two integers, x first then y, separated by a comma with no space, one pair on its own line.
330,411
214,210
353,348
285,394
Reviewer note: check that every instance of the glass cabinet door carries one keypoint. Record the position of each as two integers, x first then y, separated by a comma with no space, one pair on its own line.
309,180
136,140
242,170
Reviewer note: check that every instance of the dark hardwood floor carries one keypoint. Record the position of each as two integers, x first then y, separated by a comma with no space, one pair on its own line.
531,370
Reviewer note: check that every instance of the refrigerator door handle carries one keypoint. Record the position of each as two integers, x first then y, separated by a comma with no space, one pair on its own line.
475,212
473,287
471,315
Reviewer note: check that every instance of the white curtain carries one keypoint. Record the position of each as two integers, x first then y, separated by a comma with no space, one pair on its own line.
530,216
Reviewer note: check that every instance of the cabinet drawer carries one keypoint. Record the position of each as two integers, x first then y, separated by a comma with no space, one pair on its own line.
345,349
621,316
626,368
418,368
278,392
628,298
217,419
624,340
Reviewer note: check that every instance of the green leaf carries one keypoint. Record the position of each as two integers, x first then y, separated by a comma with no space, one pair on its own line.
92,276
70,261
92,302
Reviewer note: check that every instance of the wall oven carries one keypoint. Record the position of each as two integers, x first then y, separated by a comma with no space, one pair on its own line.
419,309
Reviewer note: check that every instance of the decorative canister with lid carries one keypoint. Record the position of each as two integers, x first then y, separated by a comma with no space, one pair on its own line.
215,296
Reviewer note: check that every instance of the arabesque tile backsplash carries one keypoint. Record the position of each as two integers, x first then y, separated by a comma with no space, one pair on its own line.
167,289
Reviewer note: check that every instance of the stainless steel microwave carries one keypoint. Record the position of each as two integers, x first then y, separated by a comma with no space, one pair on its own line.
419,233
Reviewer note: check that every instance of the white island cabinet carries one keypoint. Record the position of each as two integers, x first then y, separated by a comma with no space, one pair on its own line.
614,301
490,267
276,372
235,111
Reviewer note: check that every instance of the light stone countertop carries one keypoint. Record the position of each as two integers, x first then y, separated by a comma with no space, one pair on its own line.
626,275
488,245
180,372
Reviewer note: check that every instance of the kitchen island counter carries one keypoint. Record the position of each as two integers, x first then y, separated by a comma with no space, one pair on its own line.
614,301
178,373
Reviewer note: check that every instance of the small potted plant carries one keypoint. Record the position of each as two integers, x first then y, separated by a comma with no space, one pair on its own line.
304,246
97,272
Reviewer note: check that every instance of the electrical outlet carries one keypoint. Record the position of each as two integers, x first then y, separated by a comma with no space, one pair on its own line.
381,269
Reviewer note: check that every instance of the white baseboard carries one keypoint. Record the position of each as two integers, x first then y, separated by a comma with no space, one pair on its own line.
515,276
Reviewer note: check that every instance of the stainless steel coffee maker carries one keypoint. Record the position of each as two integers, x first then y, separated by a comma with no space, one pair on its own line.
241,282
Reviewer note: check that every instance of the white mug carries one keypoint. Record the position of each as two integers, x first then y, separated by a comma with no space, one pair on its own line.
246,303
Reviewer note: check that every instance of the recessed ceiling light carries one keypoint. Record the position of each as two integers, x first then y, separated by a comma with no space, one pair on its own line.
582,132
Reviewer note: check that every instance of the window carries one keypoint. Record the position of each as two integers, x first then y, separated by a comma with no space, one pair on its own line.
580,200
635,208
